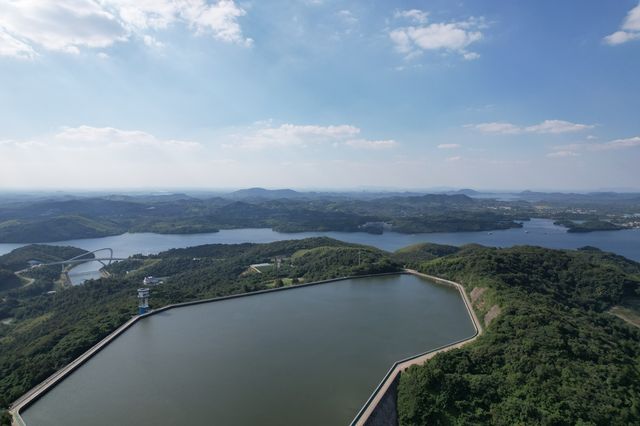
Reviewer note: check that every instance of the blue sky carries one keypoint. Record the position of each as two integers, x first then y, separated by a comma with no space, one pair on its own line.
320,94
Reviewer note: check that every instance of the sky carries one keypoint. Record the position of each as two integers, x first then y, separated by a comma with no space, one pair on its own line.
317,94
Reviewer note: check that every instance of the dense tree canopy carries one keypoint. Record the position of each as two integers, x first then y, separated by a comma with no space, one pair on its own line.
552,356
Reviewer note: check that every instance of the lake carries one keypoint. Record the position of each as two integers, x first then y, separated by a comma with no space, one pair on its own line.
539,232
305,356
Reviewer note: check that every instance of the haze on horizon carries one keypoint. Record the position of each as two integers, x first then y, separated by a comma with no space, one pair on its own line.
319,94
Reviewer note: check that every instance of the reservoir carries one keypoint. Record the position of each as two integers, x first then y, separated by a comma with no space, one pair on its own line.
536,232
303,356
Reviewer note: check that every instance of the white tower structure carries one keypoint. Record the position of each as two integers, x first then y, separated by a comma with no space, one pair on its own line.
143,301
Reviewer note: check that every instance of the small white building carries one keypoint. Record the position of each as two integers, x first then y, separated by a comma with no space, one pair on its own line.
150,280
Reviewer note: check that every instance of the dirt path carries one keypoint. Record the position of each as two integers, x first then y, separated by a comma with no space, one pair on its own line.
626,314
28,280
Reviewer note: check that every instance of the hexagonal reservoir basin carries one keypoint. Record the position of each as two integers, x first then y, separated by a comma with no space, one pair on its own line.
306,356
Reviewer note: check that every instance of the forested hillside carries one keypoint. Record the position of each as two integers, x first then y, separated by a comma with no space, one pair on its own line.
553,355
63,219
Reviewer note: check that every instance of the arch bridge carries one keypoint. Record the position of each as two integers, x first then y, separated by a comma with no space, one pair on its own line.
81,258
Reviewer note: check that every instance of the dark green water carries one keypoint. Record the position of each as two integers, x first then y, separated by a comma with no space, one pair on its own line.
307,356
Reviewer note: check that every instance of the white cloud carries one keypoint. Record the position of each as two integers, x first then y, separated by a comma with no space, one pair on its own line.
632,23
87,156
220,19
88,137
569,147
620,37
297,135
617,144
414,15
402,41
448,146
10,46
562,154
470,56
575,148
72,25
63,25
630,29
152,42
453,36
292,135
456,158
545,127
558,126
348,17
495,127
367,144
92,156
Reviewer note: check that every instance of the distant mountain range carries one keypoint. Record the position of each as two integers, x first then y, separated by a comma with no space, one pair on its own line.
266,194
